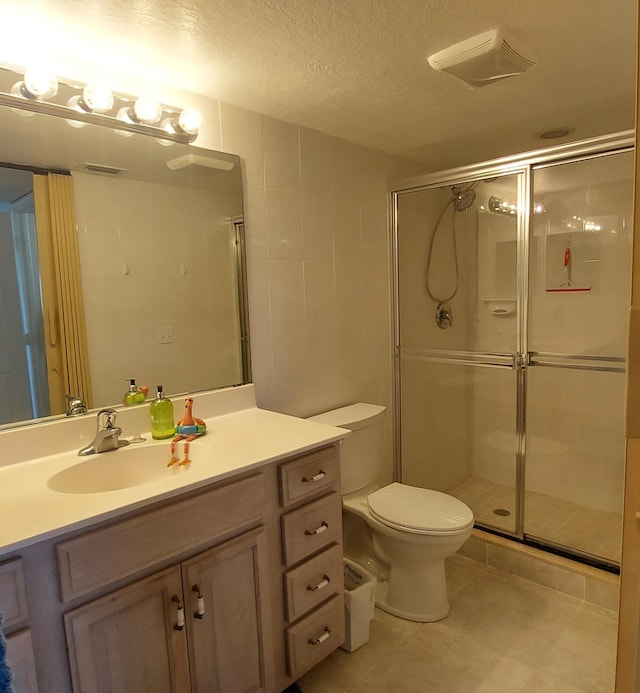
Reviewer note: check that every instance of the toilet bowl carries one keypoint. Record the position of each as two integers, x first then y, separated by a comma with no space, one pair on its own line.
411,530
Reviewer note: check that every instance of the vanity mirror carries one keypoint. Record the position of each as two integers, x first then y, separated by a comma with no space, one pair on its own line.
159,266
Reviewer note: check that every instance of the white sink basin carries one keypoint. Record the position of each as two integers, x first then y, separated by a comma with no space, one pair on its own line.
117,469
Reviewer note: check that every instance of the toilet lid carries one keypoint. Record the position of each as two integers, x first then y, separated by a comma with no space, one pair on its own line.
419,510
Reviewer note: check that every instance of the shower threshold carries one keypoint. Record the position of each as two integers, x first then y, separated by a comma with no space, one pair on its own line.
589,535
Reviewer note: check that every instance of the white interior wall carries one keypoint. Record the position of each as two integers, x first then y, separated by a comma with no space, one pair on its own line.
318,255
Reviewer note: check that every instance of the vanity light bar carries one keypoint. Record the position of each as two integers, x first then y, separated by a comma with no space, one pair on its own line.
36,91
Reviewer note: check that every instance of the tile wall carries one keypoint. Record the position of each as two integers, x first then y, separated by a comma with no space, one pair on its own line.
318,254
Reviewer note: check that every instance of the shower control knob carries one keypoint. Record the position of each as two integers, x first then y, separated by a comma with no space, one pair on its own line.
444,316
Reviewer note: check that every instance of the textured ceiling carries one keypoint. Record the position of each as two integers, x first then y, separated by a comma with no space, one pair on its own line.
358,69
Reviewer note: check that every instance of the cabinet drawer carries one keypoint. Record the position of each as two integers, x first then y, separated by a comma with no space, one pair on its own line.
13,598
313,638
313,581
102,557
311,527
306,475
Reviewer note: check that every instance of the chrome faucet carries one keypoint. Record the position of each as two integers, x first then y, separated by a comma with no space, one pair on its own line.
108,434
75,406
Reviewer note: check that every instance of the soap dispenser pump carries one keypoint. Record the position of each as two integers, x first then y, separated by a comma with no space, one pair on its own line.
135,394
162,421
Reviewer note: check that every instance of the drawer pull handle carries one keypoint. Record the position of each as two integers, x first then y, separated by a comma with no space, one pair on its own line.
312,479
179,625
321,585
321,639
200,612
318,530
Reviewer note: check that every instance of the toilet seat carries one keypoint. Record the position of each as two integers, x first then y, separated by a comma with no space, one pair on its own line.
419,510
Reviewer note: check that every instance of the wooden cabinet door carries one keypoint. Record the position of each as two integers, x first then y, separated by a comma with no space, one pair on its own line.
230,646
22,662
126,641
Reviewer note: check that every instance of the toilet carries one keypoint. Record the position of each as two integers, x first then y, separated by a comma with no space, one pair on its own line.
409,530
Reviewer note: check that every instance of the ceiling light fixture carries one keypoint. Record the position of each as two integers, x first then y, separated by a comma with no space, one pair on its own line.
37,90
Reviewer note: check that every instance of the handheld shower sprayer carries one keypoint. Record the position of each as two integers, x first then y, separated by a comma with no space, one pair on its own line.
462,198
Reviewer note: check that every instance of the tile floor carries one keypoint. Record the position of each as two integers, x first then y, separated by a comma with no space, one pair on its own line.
503,634
568,524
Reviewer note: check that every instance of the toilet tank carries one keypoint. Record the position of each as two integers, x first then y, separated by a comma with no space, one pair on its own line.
361,452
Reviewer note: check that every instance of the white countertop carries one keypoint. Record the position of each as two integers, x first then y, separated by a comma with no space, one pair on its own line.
30,510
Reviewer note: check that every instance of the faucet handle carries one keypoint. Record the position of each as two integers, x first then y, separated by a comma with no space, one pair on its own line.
106,419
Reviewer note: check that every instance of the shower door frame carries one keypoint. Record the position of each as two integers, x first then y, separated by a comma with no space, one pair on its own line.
522,165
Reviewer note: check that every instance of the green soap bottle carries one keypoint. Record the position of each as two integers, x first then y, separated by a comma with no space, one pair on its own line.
134,394
162,421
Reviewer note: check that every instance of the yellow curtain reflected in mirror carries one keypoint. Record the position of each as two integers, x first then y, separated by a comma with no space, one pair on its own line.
62,306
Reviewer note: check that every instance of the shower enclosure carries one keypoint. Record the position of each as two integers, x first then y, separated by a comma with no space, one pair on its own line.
512,295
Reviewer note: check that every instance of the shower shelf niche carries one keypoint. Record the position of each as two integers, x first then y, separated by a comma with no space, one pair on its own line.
500,306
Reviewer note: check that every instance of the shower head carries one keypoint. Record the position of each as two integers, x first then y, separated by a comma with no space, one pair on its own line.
463,199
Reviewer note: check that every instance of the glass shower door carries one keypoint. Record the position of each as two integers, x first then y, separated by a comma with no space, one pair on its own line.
459,248
578,303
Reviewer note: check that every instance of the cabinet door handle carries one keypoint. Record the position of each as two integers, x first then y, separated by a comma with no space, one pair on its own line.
179,625
318,530
200,611
321,639
321,585
311,479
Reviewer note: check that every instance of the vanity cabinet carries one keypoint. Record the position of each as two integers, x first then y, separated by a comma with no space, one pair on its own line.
13,604
231,588
200,626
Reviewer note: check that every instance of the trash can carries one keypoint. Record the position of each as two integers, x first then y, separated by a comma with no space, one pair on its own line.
359,603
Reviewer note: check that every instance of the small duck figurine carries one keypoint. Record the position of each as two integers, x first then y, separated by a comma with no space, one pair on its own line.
189,428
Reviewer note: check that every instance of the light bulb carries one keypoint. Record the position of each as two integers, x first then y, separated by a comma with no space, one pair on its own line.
189,121
94,99
146,111
39,83
97,98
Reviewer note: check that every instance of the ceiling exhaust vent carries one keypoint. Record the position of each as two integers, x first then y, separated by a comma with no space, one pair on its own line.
103,168
484,59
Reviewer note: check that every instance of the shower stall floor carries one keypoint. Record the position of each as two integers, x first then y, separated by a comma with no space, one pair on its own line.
547,518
